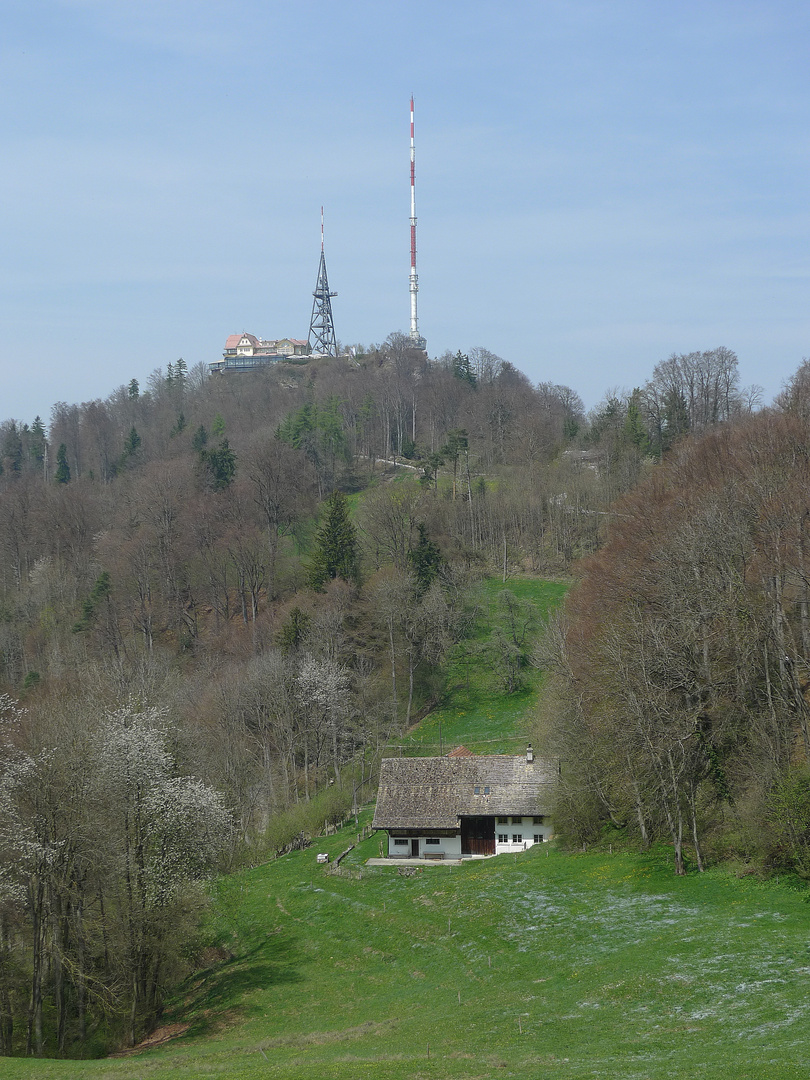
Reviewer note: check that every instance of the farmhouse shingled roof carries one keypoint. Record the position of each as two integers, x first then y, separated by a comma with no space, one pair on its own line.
435,792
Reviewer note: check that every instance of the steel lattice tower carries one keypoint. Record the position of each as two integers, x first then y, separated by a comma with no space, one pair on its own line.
321,327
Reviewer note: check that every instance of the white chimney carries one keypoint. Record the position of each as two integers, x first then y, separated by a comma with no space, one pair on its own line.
529,755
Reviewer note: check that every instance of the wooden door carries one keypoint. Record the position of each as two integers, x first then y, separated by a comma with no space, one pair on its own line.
478,835
415,848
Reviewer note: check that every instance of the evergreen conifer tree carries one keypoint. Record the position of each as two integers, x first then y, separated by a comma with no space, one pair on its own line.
335,545
634,429
220,465
37,445
426,560
12,449
199,440
132,443
462,369
294,632
100,591
676,416
62,468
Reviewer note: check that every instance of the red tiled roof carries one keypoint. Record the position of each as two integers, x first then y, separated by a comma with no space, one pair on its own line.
234,339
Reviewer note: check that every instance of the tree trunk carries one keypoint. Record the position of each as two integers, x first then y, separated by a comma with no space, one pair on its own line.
693,817
335,754
33,1042
6,1011
410,688
58,974
81,987
393,667
642,824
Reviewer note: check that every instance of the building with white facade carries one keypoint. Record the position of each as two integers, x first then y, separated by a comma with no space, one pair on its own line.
243,352
462,806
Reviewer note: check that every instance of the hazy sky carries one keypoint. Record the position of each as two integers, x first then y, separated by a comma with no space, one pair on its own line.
599,184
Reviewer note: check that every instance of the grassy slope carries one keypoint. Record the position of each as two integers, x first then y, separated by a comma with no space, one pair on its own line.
609,965
542,965
476,713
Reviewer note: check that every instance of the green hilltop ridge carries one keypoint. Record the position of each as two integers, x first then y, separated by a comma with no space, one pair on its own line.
543,964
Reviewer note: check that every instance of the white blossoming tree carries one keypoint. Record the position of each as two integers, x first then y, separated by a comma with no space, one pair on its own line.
324,691
165,834
103,847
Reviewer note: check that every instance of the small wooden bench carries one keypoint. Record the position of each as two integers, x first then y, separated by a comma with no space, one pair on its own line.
434,856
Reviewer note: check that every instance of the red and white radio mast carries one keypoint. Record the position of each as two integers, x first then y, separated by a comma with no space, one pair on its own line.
415,336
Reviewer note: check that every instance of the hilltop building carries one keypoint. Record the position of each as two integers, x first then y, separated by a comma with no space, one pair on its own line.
244,352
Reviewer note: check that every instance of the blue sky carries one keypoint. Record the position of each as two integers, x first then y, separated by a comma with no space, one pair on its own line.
599,184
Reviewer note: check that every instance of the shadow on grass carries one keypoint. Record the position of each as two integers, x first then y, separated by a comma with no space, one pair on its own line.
224,993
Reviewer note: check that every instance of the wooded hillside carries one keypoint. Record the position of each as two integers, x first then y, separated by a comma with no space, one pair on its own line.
683,663
236,590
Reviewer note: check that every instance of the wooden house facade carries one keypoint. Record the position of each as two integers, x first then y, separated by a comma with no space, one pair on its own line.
457,807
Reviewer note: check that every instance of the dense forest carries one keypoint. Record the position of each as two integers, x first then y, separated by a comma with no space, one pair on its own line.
682,665
222,597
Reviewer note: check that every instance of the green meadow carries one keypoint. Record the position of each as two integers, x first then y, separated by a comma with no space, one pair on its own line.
538,965
476,712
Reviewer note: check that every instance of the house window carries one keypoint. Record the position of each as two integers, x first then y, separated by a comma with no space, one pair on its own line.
517,838
538,838
486,791
401,842
503,820
432,840
476,790
538,820
503,838
517,820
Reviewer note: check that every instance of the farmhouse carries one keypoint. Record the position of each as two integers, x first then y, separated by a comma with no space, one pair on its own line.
452,807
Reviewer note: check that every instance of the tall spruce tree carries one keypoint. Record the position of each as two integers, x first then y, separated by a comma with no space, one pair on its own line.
37,444
426,560
133,441
335,553
62,468
220,465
